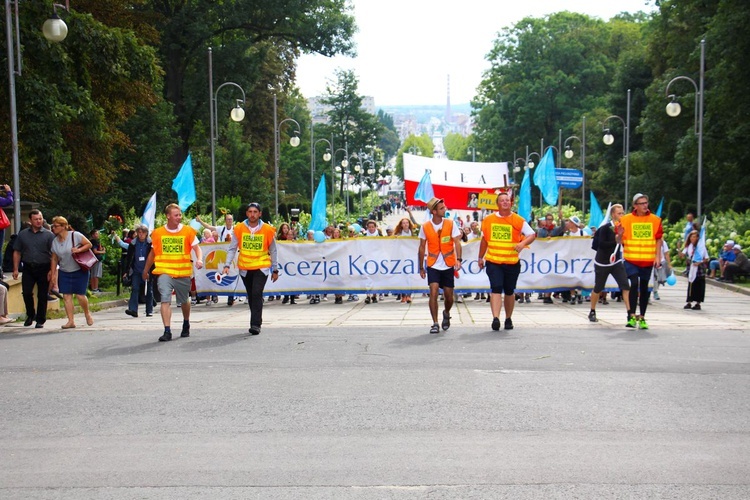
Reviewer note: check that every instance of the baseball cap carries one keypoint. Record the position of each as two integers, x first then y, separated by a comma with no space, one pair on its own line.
433,203
737,247
729,243
639,195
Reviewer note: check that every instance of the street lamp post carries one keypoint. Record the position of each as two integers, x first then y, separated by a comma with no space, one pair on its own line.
294,141
569,154
344,172
673,109
473,151
327,156
529,165
55,30
237,115
608,139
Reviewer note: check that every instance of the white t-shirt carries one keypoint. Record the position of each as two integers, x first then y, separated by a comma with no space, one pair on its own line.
455,233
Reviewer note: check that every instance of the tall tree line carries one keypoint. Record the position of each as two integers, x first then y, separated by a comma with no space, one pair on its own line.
546,73
112,112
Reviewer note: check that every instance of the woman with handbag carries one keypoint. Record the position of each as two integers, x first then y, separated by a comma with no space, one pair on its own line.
71,277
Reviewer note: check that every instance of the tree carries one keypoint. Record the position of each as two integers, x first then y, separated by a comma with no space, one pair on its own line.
350,126
73,98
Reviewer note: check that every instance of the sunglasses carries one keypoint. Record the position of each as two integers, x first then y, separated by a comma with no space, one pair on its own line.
253,205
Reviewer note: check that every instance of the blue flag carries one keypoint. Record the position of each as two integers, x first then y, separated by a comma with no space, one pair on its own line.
149,214
700,251
544,178
318,220
424,190
184,185
596,217
524,197
661,206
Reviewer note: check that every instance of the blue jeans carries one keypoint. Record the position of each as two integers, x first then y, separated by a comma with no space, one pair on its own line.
136,291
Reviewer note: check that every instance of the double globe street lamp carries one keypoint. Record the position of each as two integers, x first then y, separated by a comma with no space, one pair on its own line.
608,139
674,109
294,141
237,115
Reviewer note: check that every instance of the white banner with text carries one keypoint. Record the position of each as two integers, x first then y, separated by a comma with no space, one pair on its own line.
380,265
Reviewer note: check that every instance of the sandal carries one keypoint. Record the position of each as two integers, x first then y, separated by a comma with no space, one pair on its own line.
446,320
435,328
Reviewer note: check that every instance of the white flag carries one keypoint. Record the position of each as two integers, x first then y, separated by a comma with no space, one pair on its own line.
149,214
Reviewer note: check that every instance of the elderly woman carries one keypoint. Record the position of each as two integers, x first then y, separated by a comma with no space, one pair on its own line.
70,279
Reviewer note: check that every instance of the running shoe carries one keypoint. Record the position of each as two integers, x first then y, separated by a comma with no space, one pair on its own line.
632,323
592,316
642,325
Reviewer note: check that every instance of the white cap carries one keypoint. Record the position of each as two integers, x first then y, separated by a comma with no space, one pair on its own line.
737,247
575,220
729,243
639,195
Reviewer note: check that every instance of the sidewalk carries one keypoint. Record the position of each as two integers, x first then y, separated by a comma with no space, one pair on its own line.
724,309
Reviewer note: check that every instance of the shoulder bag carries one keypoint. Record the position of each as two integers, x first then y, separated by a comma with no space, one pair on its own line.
85,260
4,221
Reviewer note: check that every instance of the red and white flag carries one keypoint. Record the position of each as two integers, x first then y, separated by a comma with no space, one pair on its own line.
460,184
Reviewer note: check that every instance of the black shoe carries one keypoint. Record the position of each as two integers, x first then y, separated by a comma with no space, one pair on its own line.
476,297
374,299
39,325
592,316
446,320
697,307
292,302
496,324
28,321
166,337
230,301
148,315
254,330
286,299
508,324
131,313
185,329
271,298
488,298
688,306
548,300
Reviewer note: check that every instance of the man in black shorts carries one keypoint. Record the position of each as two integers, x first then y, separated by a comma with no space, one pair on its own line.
442,239
608,261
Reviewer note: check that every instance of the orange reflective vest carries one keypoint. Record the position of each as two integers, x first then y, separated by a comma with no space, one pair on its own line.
252,248
440,243
502,234
639,238
172,251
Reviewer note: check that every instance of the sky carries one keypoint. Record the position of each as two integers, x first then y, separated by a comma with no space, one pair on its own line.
407,48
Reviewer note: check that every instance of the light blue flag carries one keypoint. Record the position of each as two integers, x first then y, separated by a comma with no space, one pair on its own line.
424,190
149,214
700,251
544,178
184,185
596,217
318,220
661,207
524,197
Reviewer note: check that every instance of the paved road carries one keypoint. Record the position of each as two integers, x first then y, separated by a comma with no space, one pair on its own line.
359,401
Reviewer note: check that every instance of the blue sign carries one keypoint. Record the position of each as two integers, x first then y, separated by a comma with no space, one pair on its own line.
569,178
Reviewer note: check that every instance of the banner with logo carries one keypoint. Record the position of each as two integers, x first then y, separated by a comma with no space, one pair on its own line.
380,265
